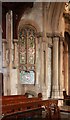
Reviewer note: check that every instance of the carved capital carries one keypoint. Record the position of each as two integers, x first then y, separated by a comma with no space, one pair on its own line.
39,34
50,45
56,34
49,35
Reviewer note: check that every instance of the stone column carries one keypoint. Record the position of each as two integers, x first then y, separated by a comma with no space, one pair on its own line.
4,53
45,51
40,61
5,65
37,62
61,76
15,53
9,37
69,72
66,66
55,87
49,81
44,66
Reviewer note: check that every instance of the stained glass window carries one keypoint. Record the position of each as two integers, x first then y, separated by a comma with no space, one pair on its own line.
27,54
27,77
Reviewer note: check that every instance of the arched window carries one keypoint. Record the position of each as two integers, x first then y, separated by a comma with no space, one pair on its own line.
27,54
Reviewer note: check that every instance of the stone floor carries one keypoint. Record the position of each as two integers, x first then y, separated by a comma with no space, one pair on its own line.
65,116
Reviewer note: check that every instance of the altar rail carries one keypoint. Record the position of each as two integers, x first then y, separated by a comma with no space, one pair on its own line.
29,107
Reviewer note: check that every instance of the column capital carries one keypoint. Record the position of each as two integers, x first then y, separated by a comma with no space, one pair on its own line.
53,34
39,34
49,35
61,38
50,45
4,41
56,34
15,40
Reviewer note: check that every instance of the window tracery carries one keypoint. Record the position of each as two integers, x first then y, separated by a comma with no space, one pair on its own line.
27,54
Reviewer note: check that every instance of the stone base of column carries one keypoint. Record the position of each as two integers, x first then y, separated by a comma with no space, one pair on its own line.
55,93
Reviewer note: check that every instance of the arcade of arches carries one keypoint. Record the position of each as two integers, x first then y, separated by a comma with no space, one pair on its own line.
35,48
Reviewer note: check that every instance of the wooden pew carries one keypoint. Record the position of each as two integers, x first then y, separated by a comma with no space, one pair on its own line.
13,97
13,101
19,106
29,107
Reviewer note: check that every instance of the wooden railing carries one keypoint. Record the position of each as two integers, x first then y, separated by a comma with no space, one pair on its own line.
20,106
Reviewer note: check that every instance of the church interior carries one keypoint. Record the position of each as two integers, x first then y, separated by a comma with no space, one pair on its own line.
35,61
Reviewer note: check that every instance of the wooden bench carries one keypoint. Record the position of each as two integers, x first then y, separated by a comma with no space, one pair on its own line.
13,101
12,97
17,106
25,107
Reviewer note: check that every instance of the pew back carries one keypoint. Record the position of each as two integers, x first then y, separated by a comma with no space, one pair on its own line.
17,105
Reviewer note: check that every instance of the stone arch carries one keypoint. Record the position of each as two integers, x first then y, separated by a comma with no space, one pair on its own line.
28,22
54,15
